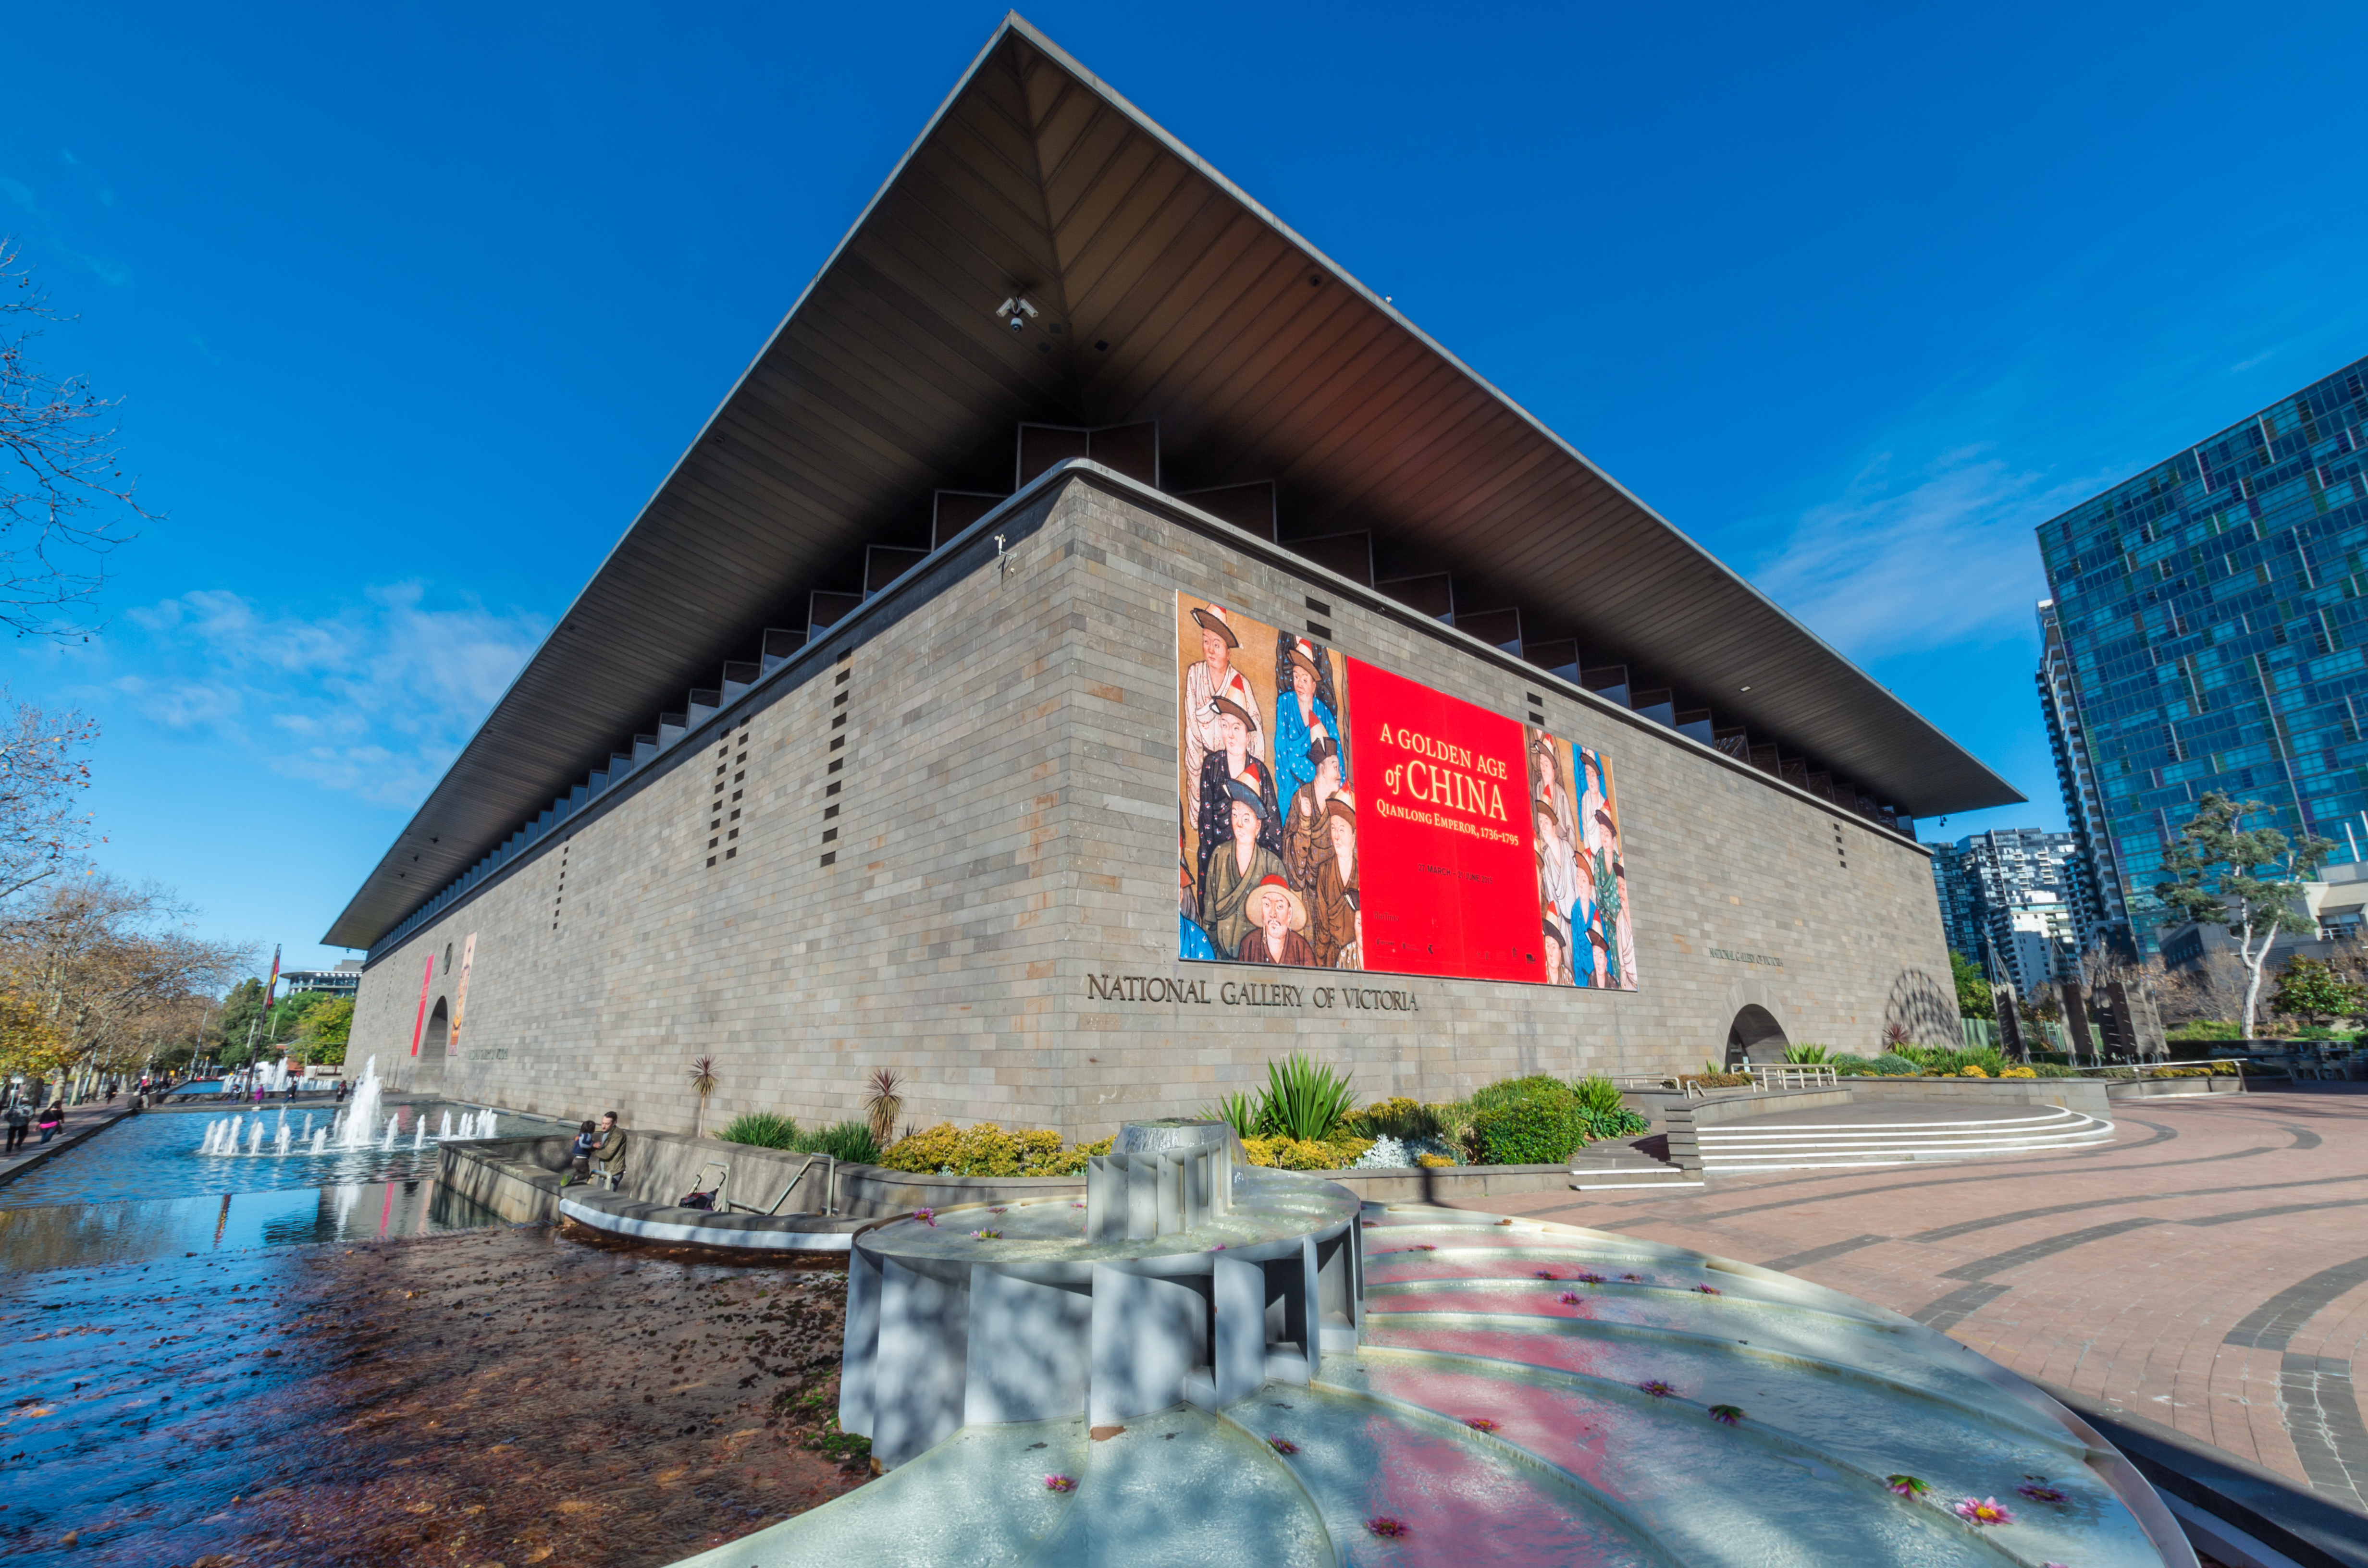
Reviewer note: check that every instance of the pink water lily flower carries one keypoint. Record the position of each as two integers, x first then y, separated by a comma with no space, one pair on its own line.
1983,1511
926,1216
1569,1298
1383,1525
1658,1388
1710,1289
1281,1445
1480,1424
1906,1485
1545,1274
1588,1276
1060,1483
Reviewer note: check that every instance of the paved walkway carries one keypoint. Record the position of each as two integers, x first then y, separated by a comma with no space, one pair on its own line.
82,1120
2207,1270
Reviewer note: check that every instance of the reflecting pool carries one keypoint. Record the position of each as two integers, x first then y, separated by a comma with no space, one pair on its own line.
65,1235
163,1154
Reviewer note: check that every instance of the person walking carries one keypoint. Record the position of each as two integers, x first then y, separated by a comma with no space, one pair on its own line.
53,1116
20,1119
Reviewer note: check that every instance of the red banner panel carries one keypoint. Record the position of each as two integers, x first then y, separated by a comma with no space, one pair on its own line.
1449,880
1334,815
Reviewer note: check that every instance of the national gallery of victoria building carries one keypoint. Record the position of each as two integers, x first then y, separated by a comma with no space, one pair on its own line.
1099,647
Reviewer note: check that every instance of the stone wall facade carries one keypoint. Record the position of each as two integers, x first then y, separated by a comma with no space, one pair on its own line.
956,815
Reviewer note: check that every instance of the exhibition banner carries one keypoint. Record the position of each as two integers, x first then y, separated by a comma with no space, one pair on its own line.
1334,814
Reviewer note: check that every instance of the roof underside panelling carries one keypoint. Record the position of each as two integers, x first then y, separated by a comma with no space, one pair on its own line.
1258,359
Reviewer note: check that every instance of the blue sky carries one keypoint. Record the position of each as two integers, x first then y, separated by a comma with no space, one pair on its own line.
413,306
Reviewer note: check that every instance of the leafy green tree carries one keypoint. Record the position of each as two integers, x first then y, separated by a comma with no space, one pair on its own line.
1974,998
2247,880
240,1010
325,1028
2310,991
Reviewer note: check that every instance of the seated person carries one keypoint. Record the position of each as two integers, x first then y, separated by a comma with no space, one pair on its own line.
579,1153
609,1155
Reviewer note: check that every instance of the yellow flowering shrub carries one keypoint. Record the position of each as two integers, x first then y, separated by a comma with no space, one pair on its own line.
1970,1071
2018,1072
1304,1153
1434,1162
987,1150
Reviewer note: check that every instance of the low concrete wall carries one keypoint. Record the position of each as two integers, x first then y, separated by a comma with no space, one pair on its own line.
518,1178
2151,1088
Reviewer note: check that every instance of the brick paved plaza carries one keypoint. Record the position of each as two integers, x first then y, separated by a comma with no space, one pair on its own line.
2208,1270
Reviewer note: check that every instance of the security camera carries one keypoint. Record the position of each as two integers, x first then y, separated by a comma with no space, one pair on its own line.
1017,311
1019,324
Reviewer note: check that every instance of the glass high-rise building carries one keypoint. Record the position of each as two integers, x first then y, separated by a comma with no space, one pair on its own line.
2205,632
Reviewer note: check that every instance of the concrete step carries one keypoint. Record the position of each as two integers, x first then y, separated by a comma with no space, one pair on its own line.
1897,1136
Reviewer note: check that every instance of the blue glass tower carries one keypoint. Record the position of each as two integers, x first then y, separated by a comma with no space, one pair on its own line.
2213,626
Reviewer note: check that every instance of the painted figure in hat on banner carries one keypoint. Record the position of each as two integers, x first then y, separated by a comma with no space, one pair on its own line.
1280,917
1558,883
1191,942
1213,677
1239,866
1557,953
1306,710
1332,911
1552,783
1235,762
1306,830
1590,801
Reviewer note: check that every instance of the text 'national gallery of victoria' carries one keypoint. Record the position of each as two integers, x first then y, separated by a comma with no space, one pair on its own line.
1099,647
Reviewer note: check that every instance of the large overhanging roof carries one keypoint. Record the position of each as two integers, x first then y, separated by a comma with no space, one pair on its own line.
1259,359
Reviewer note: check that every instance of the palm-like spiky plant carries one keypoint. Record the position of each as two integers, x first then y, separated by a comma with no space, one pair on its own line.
703,1080
882,1105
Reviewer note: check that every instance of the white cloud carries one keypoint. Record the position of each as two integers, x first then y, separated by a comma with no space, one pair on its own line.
375,698
1912,558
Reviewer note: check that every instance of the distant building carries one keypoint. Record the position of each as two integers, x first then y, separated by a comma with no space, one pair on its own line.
2097,872
2207,626
342,981
2033,935
2018,902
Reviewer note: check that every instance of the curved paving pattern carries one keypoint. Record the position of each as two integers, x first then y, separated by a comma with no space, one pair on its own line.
1536,1393
2208,1270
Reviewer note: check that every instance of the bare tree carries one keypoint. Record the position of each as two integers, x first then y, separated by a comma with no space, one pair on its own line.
110,968
63,496
42,780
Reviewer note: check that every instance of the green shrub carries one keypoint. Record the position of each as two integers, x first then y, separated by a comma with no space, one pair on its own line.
1619,1123
848,1141
1891,1064
1844,1065
1538,1132
1512,1091
1805,1053
2051,1069
763,1129
1596,1094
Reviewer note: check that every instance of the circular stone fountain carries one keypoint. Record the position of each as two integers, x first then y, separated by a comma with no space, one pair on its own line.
1416,1385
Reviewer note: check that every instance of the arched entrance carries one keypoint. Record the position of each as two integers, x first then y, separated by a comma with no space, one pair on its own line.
1754,1036
429,1068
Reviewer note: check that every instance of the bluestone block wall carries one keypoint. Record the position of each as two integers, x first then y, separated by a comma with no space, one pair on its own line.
1006,830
